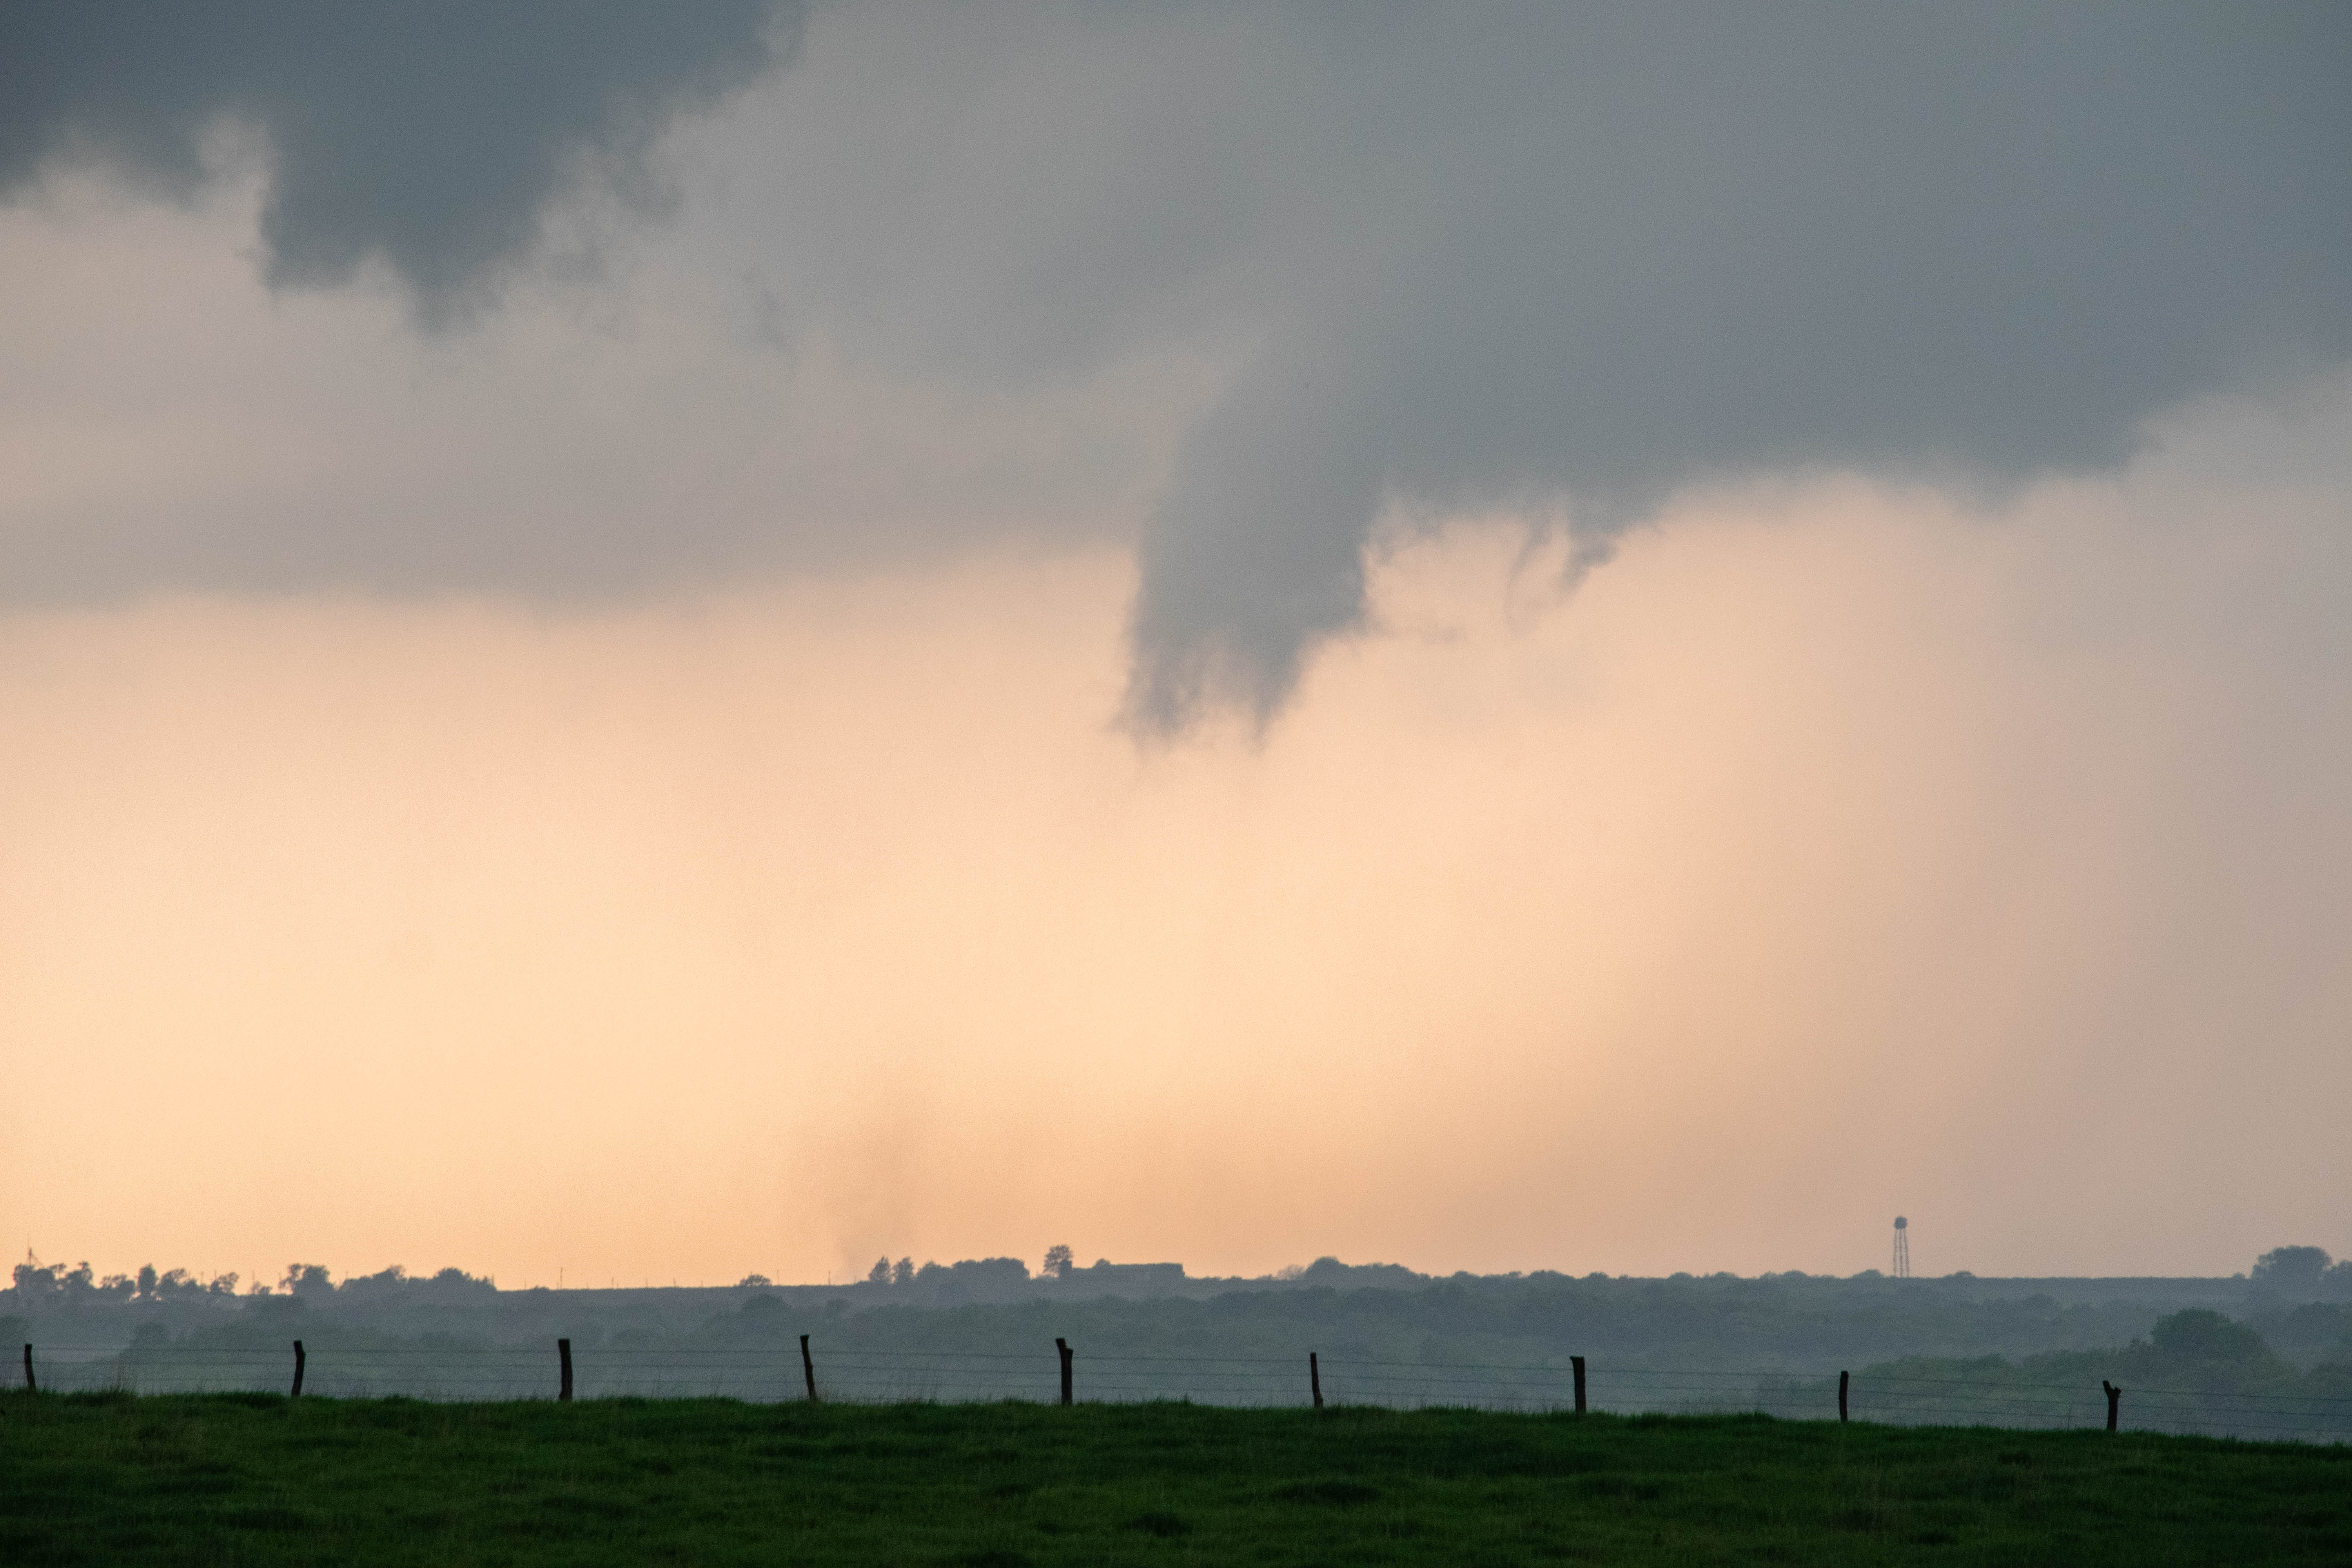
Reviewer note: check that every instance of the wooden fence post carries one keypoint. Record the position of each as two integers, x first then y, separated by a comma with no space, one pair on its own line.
1314,1379
1841,1382
30,1386
808,1368
1575,1363
298,1358
563,1353
1064,1346
2114,1394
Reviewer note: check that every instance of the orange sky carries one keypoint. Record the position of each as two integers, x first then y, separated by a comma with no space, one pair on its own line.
1834,852
1829,854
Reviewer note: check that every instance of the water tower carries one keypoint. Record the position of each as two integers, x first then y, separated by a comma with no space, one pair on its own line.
1902,1248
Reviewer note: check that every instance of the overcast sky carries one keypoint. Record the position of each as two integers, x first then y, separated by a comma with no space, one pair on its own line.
1374,533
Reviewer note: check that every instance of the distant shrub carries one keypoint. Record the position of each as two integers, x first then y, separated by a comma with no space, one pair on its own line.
2203,1335
2292,1268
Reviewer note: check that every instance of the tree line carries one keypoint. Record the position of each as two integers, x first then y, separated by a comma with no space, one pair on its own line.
50,1285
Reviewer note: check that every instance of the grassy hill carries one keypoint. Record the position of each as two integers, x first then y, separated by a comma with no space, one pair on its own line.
246,1478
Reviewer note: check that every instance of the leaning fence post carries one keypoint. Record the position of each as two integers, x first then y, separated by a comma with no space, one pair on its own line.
808,1368
1314,1379
1064,1346
2114,1394
1576,1364
298,1358
563,1353
30,1386
1841,1382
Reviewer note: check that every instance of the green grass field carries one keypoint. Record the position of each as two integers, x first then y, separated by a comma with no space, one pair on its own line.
249,1478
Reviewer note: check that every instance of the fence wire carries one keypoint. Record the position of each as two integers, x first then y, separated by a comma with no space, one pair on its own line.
874,1376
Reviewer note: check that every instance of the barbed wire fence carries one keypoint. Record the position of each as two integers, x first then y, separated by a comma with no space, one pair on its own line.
878,1377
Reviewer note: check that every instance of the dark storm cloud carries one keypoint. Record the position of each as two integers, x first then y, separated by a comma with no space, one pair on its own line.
1598,254
1450,256
430,133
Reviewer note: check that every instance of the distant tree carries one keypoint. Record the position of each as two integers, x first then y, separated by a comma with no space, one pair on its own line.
2199,1335
1059,1261
904,1274
222,1284
880,1273
752,1281
35,1279
306,1279
2292,1268
385,1283
146,1281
